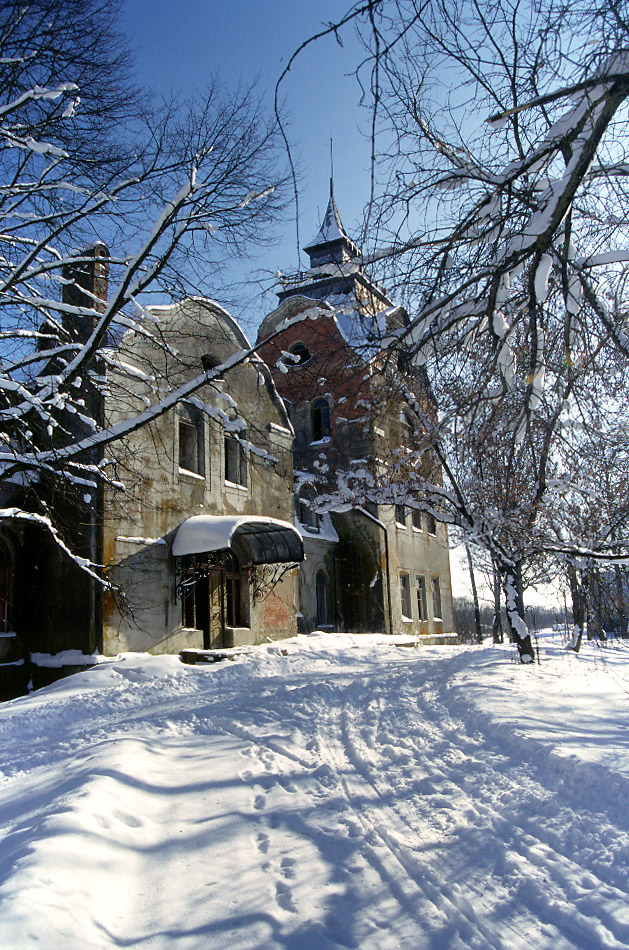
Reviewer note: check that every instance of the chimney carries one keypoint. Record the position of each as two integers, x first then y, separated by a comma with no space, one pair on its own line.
87,278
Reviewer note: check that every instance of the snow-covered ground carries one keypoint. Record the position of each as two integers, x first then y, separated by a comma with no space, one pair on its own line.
328,791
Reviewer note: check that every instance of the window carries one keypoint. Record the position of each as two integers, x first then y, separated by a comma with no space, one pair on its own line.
6,577
436,598
235,462
322,585
422,606
320,419
233,593
191,455
405,596
308,517
431,524
418,522
188,601
400,514
301,352
209,361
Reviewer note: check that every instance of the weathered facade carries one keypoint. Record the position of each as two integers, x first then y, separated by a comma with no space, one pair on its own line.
377,566
199,545
202,531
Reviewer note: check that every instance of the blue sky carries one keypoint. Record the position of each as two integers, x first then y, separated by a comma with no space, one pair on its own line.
180,44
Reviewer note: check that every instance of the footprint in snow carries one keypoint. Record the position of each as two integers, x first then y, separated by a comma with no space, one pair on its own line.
284,897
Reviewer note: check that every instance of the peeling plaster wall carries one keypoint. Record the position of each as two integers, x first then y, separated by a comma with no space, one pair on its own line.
140,524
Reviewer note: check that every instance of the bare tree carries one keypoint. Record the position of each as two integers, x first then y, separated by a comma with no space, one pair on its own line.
172,191
507,238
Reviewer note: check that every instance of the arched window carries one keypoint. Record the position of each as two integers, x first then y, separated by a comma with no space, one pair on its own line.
322,585
209,361
320,419
301,353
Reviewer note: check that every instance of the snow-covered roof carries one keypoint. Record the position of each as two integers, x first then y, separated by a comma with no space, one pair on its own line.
257,539
331,228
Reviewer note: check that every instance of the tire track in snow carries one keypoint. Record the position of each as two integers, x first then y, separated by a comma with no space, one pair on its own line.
479,791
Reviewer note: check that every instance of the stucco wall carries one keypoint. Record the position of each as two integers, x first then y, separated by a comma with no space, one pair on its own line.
140,524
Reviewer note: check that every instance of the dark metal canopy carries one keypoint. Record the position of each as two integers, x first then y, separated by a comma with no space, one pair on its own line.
254,539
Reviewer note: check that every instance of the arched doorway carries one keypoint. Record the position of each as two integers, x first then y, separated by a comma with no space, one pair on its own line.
322,586
212,596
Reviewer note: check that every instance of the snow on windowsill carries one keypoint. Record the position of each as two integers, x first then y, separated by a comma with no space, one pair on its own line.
236,486
194,475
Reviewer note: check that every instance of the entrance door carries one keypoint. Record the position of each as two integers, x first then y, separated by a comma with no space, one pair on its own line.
216,599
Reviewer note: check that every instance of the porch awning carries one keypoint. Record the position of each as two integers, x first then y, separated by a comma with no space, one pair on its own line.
255,540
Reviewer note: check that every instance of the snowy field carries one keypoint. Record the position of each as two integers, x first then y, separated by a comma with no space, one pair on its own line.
324,792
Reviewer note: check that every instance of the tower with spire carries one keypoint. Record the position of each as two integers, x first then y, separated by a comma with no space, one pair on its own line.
336,267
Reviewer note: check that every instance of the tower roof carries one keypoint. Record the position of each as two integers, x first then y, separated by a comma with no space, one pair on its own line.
331,237
331,229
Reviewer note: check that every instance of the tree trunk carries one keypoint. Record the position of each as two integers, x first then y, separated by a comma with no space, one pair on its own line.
470,564
620,600
519,632
578,609
497,633
595,624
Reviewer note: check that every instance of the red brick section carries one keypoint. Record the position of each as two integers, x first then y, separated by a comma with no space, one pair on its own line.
334,369
278,616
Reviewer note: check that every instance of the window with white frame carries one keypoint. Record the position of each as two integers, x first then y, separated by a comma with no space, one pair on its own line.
422,606
235,461
405,597
190,436
436,598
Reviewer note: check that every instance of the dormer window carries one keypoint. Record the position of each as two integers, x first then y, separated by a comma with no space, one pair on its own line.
301,353
209,362
320,419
